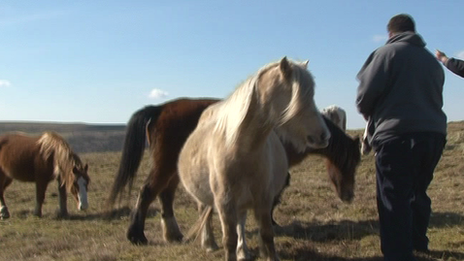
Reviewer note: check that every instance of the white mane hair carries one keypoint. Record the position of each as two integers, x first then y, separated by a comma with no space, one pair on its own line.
231,112
300,96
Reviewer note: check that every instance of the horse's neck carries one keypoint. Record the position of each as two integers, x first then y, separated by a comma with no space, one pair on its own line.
256,125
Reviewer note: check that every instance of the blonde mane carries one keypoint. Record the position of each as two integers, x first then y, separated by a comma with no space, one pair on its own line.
240,100
300,77
64,159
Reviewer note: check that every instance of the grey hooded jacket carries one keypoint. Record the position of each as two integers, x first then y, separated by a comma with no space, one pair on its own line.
401,89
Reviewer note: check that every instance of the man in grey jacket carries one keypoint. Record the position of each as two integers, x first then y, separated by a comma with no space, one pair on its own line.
400,93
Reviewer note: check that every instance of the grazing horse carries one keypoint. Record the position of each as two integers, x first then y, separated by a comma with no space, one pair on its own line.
41,159
166,127
336,114
234,161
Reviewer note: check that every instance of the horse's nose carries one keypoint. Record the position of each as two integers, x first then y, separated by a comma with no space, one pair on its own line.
347,196
310,139
319,142
325,136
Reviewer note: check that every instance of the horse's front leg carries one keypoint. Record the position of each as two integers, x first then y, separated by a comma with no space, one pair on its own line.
243,253
62,195
135,232
171,231
266,232
228,216
40,187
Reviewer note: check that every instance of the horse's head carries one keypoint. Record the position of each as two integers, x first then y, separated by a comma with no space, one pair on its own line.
80,185
300,122
342,172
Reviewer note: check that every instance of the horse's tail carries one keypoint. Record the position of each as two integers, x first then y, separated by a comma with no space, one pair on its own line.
132,152
196,229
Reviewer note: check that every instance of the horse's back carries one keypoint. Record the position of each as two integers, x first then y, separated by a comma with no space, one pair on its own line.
177,120
19,156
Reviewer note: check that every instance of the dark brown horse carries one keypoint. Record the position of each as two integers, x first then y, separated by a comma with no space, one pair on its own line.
40,159
167,127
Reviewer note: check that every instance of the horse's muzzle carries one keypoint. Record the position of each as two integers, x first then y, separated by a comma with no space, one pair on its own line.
347,196
319,142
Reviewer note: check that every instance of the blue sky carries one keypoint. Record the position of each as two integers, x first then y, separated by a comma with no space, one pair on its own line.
100,61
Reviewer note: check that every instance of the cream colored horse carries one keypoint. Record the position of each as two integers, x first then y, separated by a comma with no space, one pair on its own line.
336,114
233,161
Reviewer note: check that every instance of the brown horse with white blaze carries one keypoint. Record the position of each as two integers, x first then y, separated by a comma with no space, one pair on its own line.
41,159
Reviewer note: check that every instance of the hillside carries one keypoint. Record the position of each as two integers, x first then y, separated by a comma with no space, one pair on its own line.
82,137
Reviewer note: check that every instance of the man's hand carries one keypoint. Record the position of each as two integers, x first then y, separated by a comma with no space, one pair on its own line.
441,56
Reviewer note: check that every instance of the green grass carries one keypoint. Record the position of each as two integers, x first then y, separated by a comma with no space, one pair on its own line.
316,224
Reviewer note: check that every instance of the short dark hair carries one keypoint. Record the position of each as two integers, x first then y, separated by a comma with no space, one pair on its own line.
401,23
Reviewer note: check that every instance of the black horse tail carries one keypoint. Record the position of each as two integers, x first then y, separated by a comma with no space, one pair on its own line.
132,152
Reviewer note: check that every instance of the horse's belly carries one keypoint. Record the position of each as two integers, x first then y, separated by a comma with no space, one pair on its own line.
199,187
194,175
19,170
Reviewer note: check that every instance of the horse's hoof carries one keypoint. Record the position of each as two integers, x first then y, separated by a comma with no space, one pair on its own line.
171,231
4,213
172,239
137,239
173,236
244,257
60,214
211,247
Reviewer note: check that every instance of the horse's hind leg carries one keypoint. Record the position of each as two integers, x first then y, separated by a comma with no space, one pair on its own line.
135,232
4,182
207,236
154,183
171,231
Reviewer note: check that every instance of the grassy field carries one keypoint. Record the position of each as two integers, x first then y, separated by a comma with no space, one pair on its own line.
316,224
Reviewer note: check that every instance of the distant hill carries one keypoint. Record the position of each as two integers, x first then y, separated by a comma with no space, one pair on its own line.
83,138
102,137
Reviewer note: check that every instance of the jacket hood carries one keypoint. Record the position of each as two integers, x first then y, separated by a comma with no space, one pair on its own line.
408,37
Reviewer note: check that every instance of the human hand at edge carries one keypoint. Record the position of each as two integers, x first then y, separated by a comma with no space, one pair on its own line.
441,56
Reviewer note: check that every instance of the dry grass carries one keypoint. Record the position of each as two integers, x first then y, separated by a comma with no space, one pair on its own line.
316,224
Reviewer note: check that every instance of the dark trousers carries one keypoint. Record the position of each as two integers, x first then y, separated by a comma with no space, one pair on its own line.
405,166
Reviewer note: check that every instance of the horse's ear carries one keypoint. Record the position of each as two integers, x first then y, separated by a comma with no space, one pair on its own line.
86,167
285,68
305,64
